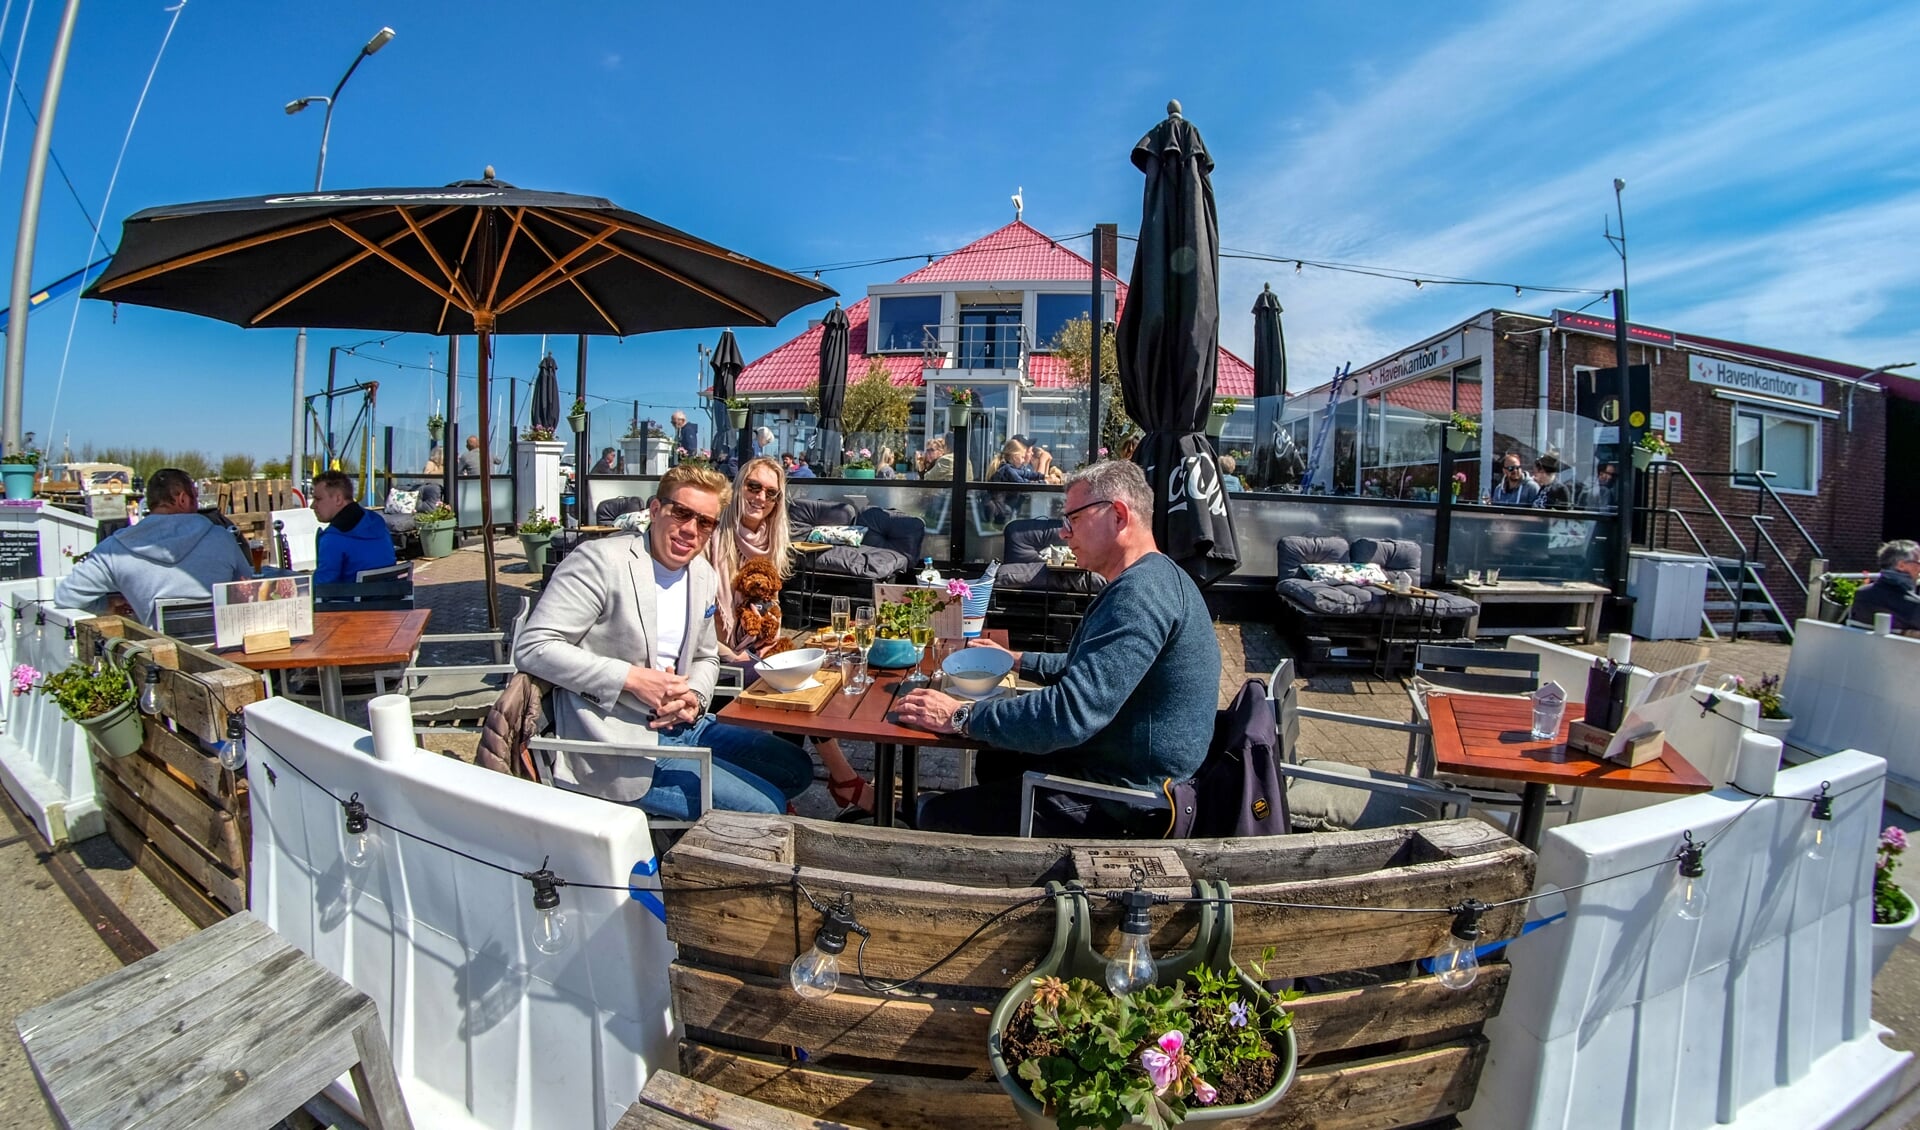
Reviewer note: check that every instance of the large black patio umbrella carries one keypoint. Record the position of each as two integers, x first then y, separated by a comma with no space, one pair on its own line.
1169,348
726,363
544,412
479,257
1269,390
833,383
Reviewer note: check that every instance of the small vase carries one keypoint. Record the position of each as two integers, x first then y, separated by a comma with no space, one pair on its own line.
892,654
1775,727
119,731
1887,936
436,538
19,478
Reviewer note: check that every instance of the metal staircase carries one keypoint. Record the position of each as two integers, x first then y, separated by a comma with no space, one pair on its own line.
1739,601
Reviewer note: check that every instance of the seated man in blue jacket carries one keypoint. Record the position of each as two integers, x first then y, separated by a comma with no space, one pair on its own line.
1131,701
354,540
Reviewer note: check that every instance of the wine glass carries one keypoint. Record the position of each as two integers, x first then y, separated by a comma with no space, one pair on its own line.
920,635
842,614
863,639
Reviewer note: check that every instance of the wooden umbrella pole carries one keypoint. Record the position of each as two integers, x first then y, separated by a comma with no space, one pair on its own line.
483,325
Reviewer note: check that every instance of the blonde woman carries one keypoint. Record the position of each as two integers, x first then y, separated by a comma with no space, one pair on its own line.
753,525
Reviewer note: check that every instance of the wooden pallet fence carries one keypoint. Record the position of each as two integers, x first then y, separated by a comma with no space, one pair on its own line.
1381,1045
250,503
177,813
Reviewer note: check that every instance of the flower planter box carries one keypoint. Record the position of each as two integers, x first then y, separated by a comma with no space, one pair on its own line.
1458,440
118,732
921,1060
535,546
856,472
1887,936
19,478
436,538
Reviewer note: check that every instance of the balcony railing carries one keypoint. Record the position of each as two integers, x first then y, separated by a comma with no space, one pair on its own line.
974,346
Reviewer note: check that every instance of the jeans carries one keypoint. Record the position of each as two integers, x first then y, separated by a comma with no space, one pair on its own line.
753,771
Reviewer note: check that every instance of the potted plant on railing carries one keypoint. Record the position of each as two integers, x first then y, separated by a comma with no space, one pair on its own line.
1463,433
1651,448
1217,419
17,470
97,696
436,528
858,465
1894,911
577,415
962,397
536,537
1775,720
436,426
737,411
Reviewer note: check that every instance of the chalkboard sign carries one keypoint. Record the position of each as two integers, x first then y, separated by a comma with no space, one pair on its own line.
19,554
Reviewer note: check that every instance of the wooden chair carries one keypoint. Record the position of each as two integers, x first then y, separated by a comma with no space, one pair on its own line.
673,1102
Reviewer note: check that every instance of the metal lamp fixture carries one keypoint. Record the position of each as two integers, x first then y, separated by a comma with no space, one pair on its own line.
816,973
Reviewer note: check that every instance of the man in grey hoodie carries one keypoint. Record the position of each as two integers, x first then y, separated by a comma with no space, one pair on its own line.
175,551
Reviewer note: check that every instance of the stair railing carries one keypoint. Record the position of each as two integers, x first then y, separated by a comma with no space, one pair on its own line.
1747,573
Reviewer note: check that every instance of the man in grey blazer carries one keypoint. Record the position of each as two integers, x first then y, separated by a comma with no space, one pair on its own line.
625,633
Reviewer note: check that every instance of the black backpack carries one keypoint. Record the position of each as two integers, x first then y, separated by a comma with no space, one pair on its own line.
1239,790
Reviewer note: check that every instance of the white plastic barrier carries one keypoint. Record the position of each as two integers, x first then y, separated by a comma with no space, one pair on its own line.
1708,739
486,1030
1851,689
301,527
1756,1015
44,761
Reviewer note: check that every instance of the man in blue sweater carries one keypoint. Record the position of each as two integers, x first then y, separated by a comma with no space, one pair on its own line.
354,539
1131,701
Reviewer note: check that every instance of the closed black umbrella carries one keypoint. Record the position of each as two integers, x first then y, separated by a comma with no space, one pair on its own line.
833,382
544,412
479,257
1169,348
1269,391
726,363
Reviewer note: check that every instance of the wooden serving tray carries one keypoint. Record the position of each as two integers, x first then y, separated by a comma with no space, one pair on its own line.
762,694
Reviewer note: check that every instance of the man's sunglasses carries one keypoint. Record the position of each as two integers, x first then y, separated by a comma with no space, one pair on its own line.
772,494
685,514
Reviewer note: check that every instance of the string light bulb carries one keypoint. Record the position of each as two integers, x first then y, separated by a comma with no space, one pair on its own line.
359,848
1132,966
1458,966
232,750
1815,836
1298,266
552,926
816,973
1419,284
150,691
99,651
1693,880
39,626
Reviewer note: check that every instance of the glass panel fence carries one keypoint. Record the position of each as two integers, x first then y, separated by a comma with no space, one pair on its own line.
1531,545
469,505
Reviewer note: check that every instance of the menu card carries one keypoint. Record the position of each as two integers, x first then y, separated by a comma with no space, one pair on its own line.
243,608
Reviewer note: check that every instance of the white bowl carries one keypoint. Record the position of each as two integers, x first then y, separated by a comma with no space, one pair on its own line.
976,670
787,670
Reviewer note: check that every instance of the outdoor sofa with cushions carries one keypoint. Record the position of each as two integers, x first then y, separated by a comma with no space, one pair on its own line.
1336,603
888,550
401,513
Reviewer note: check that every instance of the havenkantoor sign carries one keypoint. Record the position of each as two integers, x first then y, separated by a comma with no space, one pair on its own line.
1434,357
1749,378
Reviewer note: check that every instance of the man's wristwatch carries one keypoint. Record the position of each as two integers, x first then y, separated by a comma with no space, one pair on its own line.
960,715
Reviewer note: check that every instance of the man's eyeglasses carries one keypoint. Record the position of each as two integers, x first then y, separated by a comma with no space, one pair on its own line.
1512,467
685,514
772,494
1066,520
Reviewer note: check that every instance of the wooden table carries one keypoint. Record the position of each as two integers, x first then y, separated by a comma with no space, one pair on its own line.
1586,598
1487,736
344,639
867,717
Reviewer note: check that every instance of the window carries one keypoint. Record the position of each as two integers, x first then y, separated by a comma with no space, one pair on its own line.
1788,446
900,322
1052,311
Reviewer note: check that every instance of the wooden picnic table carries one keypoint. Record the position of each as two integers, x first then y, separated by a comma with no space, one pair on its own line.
1491,736
344,639
867,717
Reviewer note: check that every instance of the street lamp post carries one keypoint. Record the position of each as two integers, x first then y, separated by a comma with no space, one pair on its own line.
380,39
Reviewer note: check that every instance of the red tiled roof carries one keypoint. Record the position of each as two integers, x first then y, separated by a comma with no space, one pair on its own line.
1015,253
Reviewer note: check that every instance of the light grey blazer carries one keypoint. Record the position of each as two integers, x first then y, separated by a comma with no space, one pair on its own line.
595,618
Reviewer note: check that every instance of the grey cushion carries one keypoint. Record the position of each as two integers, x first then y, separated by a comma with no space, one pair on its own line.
1298,549
873,564
1332,599
1315,806
1395,555
893,530
457,695
606,512
804,514
1445,604
1037,576
1027,537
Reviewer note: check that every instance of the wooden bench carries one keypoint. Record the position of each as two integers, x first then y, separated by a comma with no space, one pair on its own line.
1586,599
674,1102
1381,1045
233,1027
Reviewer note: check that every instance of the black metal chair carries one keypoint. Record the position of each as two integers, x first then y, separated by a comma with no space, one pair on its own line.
387,589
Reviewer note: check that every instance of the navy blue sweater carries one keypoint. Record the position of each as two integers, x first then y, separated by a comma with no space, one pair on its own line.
1132,699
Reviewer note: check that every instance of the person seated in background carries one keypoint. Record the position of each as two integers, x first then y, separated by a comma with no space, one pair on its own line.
1893,590
797,468
1552,493
1514,488
883,464
754,527
1130,445
763,442
1130,702
1018,463
174,551
686,437
436,462
1603,493
624,631
1228,479
607,464
353,540
936,462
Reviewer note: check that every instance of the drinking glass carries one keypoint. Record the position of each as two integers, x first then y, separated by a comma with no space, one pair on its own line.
1473,576
921,635
842,614
850,663
1546,719
863,639
1493,576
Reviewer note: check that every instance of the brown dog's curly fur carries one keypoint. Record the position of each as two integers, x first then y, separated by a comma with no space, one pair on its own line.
756,595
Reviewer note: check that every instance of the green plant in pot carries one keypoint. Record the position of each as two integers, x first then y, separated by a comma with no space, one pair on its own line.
1222,411
737,411
858,464
436,424
1084,1042
1463,432
577,415
1650,448
536,537
97,696
17,470
902,628
436,528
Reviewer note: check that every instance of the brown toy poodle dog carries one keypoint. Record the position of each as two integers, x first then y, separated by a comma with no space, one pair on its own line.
756,589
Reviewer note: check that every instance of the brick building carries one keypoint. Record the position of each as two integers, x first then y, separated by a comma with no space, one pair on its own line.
1727,408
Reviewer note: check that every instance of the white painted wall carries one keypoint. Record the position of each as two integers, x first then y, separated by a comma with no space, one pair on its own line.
1851,689
537,474
486,1030
1624,1014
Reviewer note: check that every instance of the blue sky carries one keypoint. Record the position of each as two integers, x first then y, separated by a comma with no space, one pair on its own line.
1771,153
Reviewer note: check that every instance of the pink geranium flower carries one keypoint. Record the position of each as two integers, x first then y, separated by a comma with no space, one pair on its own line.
1163,1061
958,587
1203,1092
25,678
